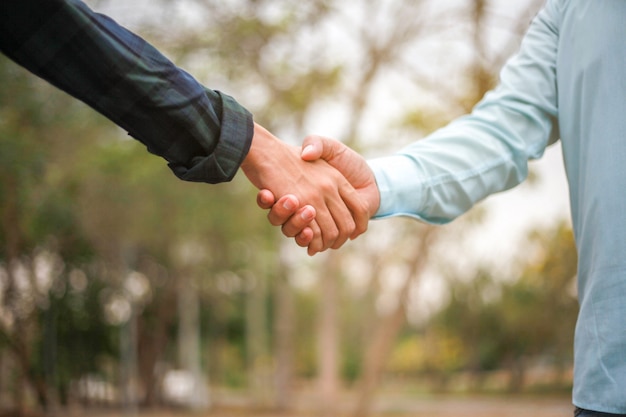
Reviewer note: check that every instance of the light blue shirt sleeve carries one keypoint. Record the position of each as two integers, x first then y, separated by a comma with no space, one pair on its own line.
577,45
442,176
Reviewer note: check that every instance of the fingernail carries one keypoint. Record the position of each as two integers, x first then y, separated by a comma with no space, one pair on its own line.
307,149
307,214
289,204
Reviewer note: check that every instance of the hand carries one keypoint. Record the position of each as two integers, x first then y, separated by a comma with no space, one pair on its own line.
340,211
346,161
287,208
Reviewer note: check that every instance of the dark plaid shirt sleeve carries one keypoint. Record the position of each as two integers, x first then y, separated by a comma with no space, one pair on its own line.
203,134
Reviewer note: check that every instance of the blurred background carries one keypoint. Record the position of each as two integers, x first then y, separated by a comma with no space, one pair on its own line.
124,291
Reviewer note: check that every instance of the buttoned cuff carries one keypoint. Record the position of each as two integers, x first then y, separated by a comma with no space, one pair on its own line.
398,185
235,138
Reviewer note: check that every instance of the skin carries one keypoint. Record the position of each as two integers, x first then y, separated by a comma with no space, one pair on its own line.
333,209
294,220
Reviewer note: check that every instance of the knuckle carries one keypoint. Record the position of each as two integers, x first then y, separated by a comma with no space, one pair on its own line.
350,226
346,228
286,232
361,227
274,220
331,235
315,246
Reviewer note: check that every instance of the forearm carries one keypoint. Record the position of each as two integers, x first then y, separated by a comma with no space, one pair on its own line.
203,134
442,176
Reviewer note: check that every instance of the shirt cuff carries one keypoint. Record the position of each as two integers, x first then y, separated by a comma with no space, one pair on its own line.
233,144
237,130
399,187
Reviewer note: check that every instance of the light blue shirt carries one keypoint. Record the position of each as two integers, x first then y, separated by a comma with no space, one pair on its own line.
567,81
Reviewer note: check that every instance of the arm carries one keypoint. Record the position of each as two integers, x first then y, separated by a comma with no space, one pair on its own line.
439,178
444,175
204,135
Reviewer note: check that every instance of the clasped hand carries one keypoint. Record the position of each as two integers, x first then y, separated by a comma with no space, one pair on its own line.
327,193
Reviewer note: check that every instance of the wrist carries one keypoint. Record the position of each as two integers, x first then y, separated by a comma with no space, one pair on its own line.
257,155
373,199
252,158
268,160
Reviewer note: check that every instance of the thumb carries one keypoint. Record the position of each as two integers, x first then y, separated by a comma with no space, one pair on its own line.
265,199
315,147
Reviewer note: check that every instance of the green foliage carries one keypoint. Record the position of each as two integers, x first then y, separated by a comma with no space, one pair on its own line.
74,186
75,340
504,323
55,334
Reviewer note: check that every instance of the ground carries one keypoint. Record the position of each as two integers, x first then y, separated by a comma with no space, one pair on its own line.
435,406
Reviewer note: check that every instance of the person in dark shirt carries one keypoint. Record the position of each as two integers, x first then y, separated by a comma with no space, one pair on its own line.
203,134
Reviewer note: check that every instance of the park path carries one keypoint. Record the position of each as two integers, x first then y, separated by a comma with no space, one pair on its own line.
476,407
386,406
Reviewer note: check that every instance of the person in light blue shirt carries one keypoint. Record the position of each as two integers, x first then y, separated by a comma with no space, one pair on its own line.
567,82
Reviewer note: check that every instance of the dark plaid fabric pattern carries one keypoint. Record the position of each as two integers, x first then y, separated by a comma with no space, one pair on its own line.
203,134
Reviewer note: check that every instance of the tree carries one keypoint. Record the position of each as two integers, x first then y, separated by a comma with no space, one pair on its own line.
104,207
42,242
507,322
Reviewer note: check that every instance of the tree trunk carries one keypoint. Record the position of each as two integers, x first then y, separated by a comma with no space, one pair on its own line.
153,339
388,328
189,343
517,374
375,358
284,319
328,351
259,364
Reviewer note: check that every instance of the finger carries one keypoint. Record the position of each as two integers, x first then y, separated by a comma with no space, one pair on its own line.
359,210
305,237
335,192
329,229
284,208
333,216
316,244
343,220
352,166
265,199
325,213
301,219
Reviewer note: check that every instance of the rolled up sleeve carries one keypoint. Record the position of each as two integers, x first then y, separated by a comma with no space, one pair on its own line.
203,134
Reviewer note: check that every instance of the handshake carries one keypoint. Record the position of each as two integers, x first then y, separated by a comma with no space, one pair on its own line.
322,194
